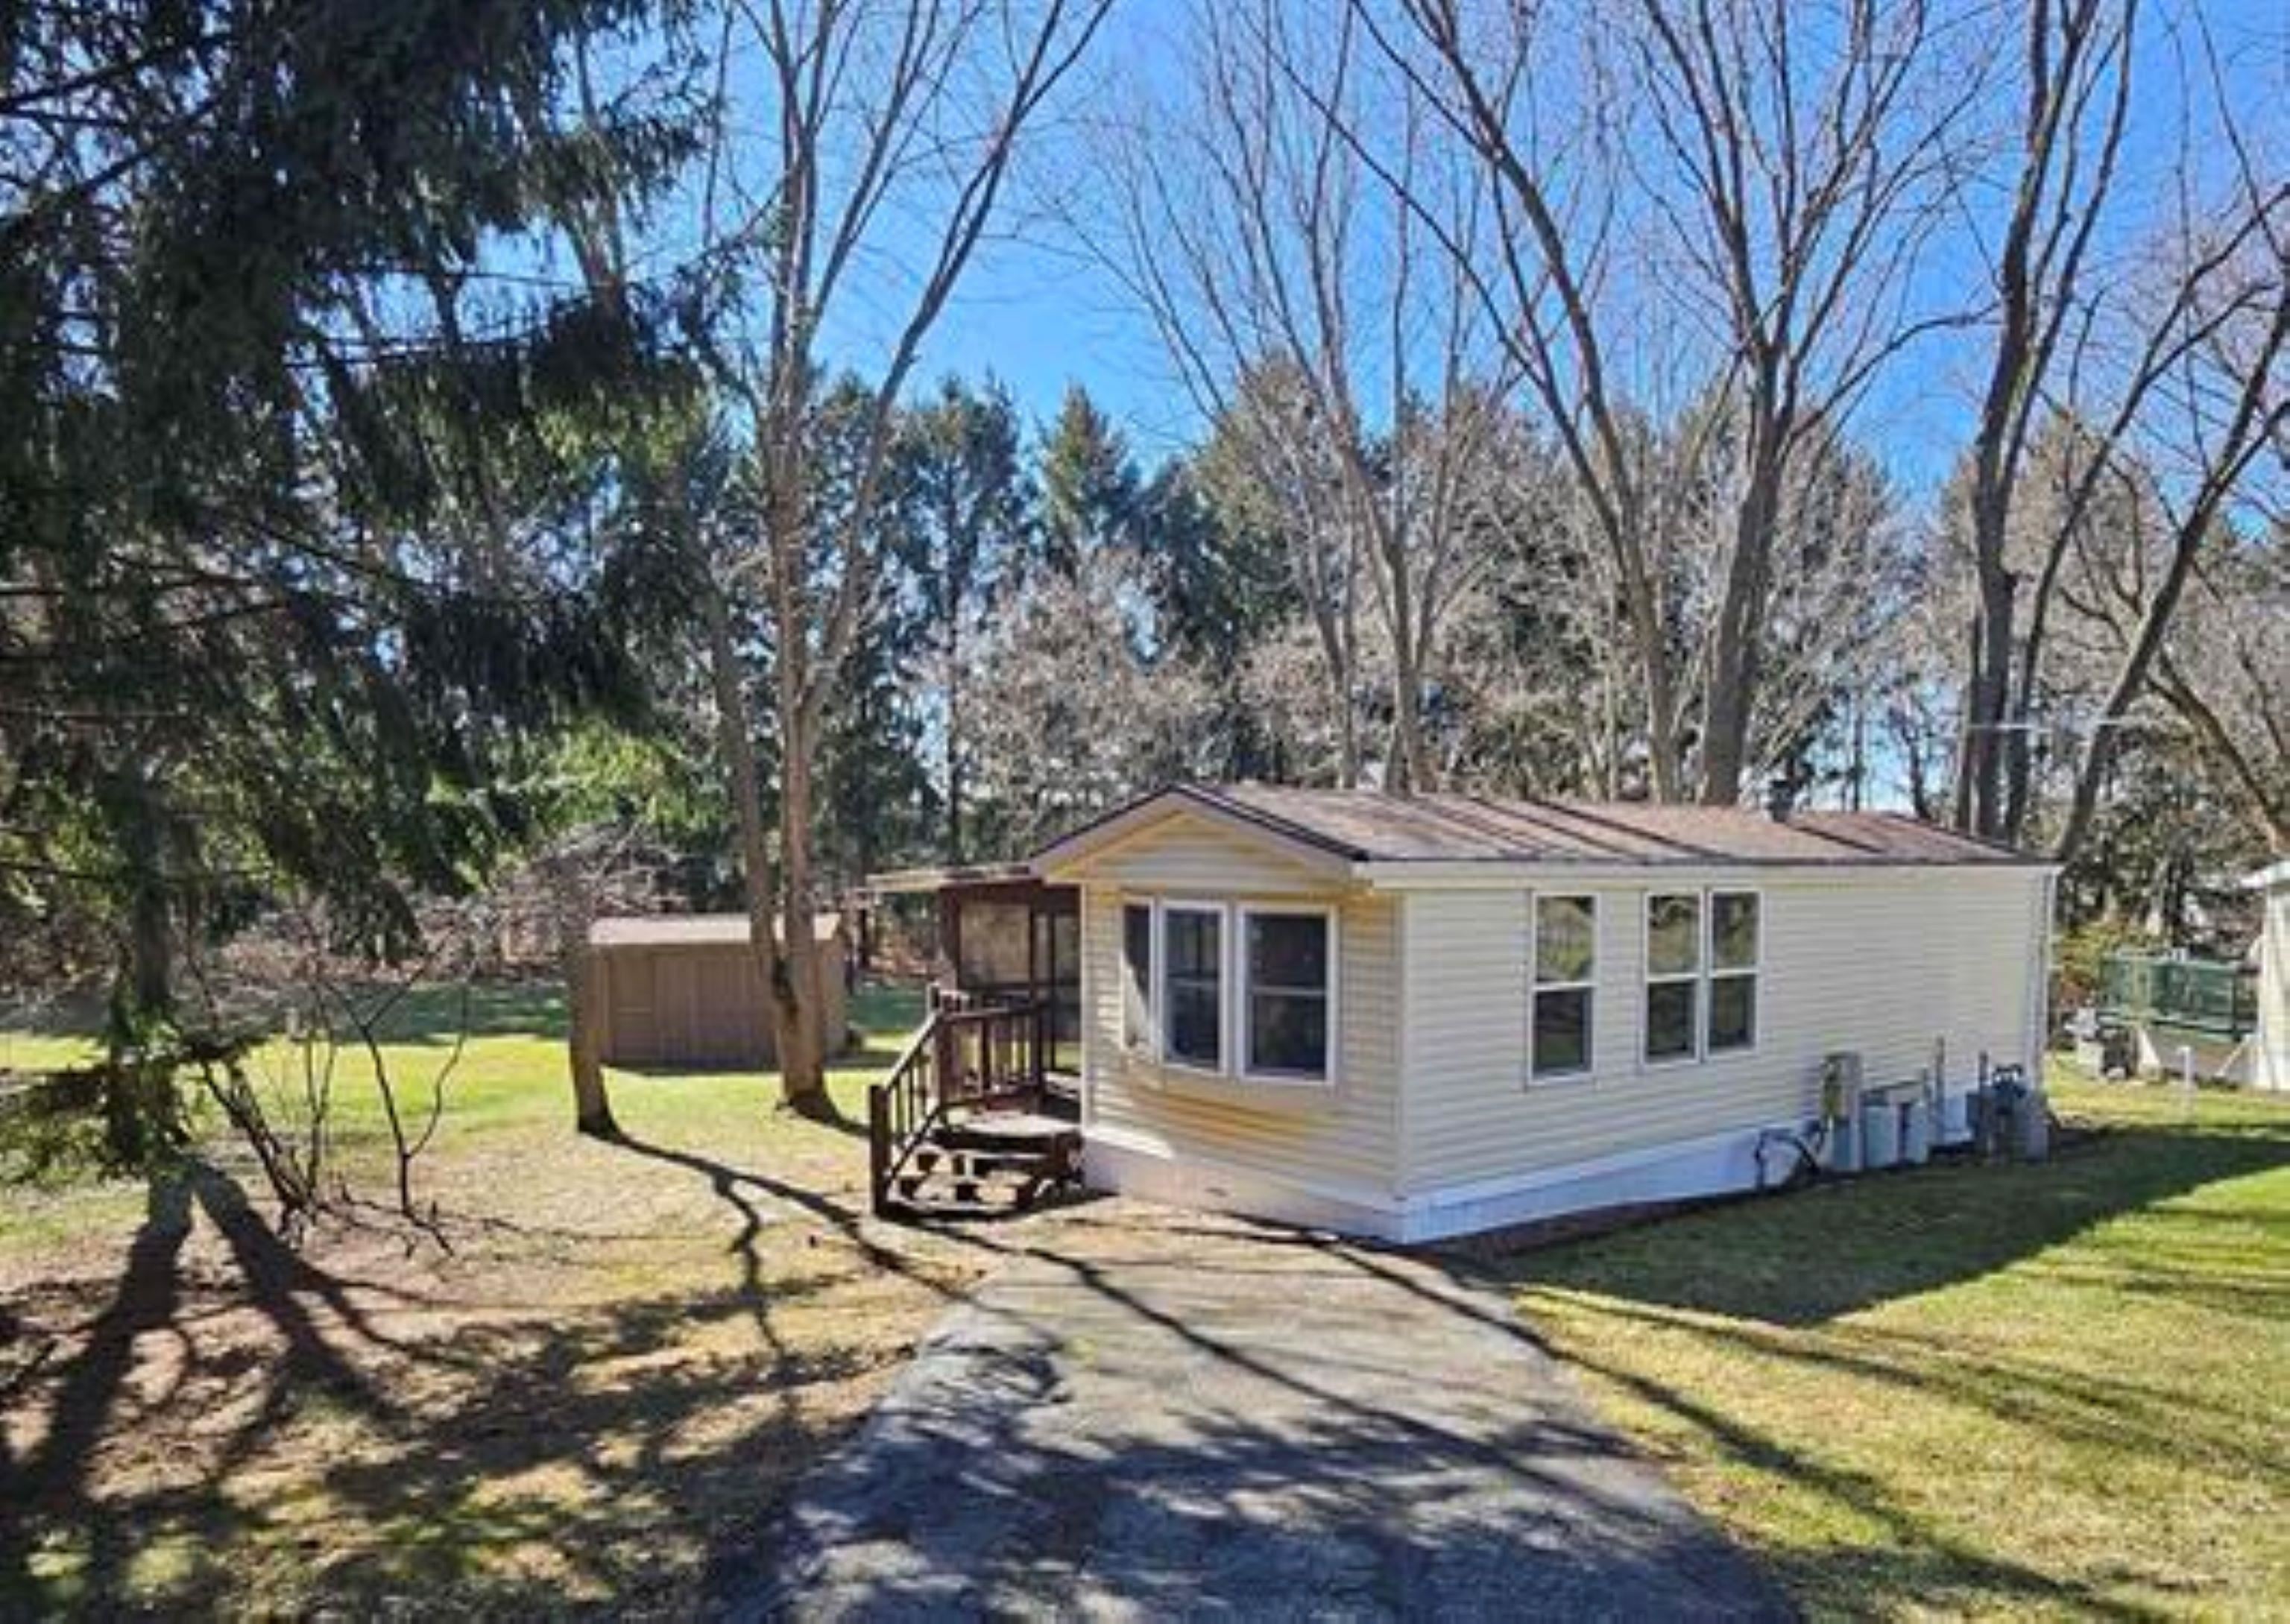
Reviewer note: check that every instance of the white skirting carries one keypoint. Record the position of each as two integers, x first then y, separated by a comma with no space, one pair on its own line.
1718,1164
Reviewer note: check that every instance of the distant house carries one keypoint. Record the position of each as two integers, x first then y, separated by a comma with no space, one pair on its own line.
1418,1018
2270,1065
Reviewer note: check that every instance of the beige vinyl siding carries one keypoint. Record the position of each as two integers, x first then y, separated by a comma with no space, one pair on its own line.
1190,856
1342,1139
1878,961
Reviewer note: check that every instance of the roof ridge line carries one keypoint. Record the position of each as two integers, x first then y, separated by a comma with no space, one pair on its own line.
1450,815
1212,795
1550,812
1583,810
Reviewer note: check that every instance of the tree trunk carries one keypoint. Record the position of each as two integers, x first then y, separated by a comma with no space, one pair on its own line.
2130,682
1979,805
592,1103
739,750
953,736
1411,770
2267,796
803,1036
1732,697
1336,659
1665,761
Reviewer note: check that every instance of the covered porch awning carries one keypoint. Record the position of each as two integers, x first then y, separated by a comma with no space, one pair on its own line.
1003,935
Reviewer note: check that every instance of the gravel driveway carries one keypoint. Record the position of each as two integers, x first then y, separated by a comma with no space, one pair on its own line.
1165,1416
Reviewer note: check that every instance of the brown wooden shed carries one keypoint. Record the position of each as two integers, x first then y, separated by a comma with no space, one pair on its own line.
681,991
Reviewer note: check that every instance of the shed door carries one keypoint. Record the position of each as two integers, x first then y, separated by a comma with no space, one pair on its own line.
632,1008
725,1028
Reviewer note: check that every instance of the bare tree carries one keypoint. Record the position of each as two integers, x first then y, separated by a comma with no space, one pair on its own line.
1071,717
2075,63
1312,317
2215,412
2224,671
1773,187
2164,359
878,128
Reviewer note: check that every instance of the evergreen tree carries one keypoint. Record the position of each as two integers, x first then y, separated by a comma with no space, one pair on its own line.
1090,491
299,500
963,519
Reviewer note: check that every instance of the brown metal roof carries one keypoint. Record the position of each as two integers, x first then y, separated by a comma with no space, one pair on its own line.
1368,826
688,930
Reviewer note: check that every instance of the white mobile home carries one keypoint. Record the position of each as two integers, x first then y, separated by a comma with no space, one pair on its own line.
1417,1018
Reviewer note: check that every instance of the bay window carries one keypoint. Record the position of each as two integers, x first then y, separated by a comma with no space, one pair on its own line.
1566,969
1243,991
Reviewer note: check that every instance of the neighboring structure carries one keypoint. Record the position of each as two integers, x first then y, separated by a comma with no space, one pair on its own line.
2172,1014
1417,1018
2270,1044
680,991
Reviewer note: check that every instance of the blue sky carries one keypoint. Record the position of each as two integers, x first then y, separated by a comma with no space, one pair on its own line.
1037,314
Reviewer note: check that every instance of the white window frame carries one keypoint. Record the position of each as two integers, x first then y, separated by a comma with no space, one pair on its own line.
1241,992
1754,971
1649,978
1536,986
1222,914
1148,1041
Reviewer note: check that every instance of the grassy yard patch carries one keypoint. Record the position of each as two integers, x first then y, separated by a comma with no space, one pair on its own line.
2050,1391
594,1397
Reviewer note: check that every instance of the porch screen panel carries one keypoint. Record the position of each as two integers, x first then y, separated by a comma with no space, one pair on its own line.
994,946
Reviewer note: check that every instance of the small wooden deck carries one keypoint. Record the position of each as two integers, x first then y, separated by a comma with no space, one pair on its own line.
967,1123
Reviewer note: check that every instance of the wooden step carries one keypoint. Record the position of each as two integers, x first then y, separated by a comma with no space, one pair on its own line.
987,1164
1011,1131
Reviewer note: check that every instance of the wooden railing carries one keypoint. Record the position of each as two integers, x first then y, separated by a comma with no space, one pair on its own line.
967,1054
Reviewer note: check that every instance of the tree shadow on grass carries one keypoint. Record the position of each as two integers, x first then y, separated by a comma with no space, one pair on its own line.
53,1487
1808,1258
1767,1290
519,1460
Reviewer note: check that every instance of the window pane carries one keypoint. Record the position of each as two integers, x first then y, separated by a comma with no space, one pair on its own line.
1288,1032
1288,950
1562,1031
1732,930
1673,935
1193,1036
1136,973
1669,1020
1189,938
1193,969
1565,938
1732,1011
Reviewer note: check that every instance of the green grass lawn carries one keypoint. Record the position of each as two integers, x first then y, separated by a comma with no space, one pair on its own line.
2060,1389
593,1399
507,1076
